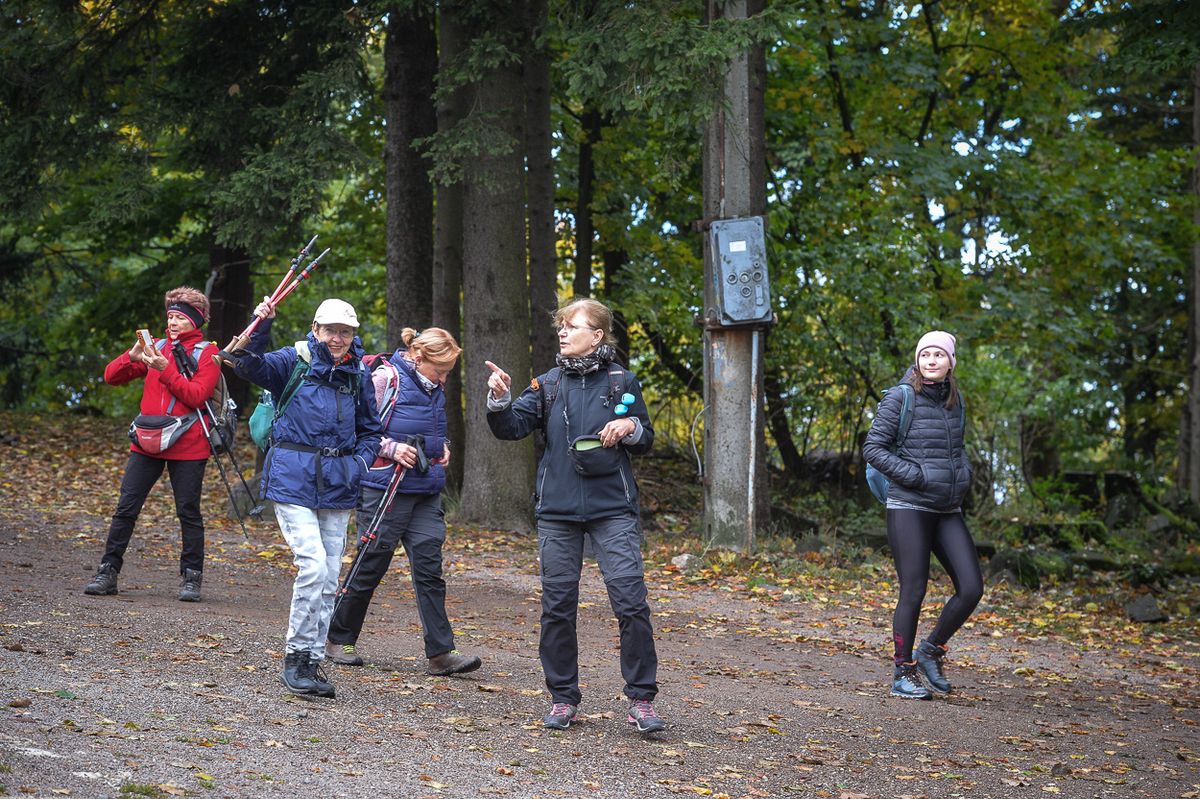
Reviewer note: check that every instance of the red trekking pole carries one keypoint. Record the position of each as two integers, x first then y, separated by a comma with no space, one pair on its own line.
369,535
282,290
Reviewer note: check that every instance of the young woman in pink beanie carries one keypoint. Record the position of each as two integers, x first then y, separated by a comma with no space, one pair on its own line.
928,475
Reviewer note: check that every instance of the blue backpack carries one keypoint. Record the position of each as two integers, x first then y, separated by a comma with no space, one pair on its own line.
876,480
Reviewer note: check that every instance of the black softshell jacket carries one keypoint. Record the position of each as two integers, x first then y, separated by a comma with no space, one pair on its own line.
579,409
930,469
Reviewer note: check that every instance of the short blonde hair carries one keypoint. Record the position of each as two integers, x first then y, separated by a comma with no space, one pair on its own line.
433,344
193,297
599,316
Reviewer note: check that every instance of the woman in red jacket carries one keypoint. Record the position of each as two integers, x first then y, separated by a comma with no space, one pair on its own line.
166,392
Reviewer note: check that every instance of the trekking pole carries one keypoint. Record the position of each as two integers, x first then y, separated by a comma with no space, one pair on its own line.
256,510
368,536
185,367
221,469
282,290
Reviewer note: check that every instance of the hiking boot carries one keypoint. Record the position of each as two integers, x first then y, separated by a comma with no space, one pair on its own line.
189,585
345,654
906,682
448,663
560,717
321,684
104,583
643,716
929,661
295,673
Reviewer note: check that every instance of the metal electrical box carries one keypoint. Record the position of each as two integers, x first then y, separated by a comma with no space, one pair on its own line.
739,257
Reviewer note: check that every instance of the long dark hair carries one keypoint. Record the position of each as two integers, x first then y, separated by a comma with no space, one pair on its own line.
918,382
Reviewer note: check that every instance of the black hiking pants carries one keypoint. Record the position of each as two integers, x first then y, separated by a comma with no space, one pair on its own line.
141,473
616,543
418,523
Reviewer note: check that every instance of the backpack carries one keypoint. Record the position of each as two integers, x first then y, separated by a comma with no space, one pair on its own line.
268,410
221,408
391,391
547,389
876,480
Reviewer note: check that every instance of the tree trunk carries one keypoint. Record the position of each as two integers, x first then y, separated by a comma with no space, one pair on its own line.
614,263
498,478
410,58
230,296
585,227
1192,414
447,257
543,265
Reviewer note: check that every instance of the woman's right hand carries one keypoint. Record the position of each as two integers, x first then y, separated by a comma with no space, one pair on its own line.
265,309
499,383
138,350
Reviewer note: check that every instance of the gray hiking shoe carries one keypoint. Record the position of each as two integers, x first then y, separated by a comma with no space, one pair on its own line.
643,716
104,583
560,716
189,585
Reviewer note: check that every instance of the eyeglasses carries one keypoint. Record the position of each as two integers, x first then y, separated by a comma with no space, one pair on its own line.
345,334
570,328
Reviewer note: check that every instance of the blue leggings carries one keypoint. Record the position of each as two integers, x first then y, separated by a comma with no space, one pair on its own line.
913,535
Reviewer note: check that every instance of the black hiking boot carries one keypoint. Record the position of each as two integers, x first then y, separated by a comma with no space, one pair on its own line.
189,585
295,673
929,661
104,583
321,684
906,682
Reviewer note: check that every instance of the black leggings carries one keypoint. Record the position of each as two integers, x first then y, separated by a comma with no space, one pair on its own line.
913,535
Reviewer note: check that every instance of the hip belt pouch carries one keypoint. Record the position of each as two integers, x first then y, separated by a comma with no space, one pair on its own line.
156,434
592,459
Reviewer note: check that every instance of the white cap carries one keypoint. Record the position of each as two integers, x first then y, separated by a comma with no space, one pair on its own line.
336,312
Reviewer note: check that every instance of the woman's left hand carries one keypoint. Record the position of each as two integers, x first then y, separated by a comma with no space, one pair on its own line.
154,359
612,433
445,459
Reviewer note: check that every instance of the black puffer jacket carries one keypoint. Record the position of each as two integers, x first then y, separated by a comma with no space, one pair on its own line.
930,469
582,406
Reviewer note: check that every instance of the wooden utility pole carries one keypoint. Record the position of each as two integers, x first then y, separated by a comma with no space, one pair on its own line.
734,187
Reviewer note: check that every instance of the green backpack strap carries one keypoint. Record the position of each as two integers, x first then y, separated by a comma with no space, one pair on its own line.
299,372
906,407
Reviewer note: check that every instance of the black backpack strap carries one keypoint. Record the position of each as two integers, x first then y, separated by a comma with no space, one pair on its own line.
547,391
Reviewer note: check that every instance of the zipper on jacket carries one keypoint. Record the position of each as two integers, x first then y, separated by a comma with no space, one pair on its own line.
950,451
624,482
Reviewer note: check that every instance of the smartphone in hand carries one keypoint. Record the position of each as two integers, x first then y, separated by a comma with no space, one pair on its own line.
147,339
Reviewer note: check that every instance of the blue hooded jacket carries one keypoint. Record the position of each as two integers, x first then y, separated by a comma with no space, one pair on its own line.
417,412
326,413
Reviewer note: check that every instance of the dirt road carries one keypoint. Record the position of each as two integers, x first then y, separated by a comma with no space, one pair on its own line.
769,690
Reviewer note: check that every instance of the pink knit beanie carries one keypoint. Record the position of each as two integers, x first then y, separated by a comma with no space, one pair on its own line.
940,339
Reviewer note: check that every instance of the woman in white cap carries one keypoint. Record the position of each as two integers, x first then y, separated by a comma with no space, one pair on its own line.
928,474
325,434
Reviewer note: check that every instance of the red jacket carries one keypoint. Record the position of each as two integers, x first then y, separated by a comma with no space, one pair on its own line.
160,387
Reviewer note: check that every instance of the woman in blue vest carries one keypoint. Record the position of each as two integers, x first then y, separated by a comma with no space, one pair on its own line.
321,444
410,394
929,475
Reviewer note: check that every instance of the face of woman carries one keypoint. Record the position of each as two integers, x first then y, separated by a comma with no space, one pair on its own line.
178,324
934,363
337,338
434,371
577,337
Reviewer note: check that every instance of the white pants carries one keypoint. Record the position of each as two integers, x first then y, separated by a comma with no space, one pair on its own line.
317,538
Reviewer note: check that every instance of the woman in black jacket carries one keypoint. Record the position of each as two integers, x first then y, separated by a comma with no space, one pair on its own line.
929,475
594,418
